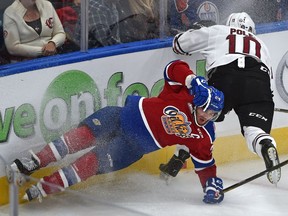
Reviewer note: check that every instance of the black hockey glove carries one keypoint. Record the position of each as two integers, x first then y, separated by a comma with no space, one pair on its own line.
175,164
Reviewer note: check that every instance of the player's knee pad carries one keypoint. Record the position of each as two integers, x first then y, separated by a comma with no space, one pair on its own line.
254,136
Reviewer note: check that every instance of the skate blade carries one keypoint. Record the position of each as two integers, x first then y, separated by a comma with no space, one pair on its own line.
14,176
274,176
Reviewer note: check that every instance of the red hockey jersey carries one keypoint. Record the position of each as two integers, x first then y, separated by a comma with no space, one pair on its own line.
169,120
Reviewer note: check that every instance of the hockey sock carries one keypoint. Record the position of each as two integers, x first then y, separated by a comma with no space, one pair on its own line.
71,142
46,156
78,139
83,168
205,174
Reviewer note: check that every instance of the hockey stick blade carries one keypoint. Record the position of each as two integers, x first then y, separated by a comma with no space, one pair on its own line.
245,181
281,110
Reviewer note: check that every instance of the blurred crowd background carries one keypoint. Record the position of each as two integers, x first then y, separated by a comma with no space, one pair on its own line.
112,22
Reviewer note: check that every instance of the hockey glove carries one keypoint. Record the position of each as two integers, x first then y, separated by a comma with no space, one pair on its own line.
175,164
200,90
213,191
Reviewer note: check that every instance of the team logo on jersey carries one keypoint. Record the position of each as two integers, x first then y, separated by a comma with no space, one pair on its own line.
176,122
208,11
49,23
96,122
5,33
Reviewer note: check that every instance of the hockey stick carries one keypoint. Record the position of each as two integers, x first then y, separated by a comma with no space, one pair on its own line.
245,181
281,110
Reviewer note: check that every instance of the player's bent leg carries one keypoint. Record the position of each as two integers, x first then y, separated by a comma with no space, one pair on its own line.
264,146
83,168
116,155
71,142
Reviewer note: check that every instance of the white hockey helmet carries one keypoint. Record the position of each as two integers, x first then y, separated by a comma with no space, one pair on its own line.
241,20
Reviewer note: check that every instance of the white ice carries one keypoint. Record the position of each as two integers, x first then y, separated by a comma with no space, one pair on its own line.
144,194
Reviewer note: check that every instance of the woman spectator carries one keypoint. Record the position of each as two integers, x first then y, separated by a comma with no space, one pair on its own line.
32,29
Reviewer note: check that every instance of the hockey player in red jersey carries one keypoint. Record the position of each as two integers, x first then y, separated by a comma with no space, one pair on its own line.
183,114
238,64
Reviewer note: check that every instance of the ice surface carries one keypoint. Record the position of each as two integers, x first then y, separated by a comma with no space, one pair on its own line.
144,194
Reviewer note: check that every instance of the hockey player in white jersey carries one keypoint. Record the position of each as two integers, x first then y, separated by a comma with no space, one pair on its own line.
238,64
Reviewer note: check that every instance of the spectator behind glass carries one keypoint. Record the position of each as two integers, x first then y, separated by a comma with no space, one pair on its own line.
282,13
103,28
3,52
183,13
32,29
138,20
4,59
67,11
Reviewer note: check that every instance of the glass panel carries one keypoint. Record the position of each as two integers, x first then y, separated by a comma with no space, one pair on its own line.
123,21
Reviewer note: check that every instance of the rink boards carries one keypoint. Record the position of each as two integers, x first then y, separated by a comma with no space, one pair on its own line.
27,105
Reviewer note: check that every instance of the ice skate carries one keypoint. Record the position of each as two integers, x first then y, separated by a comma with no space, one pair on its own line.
271,159
14,176
35,192
20,169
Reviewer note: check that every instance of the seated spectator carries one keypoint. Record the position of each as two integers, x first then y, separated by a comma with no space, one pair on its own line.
103,28
67,11
32,29
138,20
183,13
3,55
4,59
113,23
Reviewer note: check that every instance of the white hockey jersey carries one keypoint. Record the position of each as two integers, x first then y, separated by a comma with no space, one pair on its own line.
221,45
